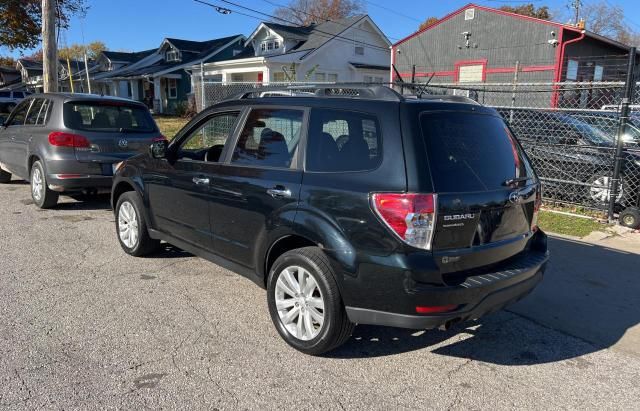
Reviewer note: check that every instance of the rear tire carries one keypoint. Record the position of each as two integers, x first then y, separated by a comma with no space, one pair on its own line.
5,177
42,196
630,217
305,303
131,227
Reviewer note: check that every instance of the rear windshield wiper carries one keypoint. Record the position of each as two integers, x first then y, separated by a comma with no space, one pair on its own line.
512,181
129,130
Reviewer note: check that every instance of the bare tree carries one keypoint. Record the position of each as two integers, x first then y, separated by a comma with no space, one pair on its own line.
430,21
305,12
607,20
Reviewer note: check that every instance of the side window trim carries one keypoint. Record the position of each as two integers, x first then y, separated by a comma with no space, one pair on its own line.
15,111
297,158
177,143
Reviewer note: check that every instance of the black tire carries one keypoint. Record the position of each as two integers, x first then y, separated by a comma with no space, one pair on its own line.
630,217
5,177
41,195
336,327
144,244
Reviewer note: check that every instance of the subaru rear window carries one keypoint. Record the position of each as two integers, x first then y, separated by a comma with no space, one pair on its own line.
108,117
471,152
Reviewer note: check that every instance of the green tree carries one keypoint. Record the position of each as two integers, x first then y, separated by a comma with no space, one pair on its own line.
7,61
21,20
305,12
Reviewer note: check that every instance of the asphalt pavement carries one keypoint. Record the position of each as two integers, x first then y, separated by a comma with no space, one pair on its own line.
83,325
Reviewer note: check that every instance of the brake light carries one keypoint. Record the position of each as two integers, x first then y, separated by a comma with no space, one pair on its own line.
60,139
434,309
411,216
536,210
159,138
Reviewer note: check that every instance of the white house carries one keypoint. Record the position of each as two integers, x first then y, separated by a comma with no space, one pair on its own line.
352,49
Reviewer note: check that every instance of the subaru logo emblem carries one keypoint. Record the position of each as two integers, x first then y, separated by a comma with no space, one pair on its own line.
515,197
123,143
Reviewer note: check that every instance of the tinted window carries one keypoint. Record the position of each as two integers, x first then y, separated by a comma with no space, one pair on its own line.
18,94
5,94
20,113
471,152
342,141
207,142
269,138
108,117
34,112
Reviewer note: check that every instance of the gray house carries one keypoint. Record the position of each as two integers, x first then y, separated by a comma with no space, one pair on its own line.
479,45
158,76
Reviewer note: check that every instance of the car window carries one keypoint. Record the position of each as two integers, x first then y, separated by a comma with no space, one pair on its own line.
108,117
34,112
5,94
269,138
45,112
342,140
206,143
18,94
19,113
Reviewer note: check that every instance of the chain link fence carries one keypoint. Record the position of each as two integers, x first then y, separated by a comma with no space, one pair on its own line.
568,129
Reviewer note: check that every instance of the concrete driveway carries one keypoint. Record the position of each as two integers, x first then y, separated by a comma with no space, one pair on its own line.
82,325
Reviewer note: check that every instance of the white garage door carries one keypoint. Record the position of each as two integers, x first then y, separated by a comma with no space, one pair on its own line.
470,74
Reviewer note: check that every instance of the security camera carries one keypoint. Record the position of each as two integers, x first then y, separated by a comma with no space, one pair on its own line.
553,42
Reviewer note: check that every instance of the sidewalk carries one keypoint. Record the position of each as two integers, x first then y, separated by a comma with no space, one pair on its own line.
591,290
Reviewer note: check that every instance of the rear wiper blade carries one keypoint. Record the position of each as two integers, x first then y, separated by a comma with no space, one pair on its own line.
512,181
128,130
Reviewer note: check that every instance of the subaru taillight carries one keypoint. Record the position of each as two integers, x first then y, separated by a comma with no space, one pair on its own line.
536,209
411,216
61,139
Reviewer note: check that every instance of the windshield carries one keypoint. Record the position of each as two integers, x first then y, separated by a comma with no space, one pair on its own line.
108,117
591,133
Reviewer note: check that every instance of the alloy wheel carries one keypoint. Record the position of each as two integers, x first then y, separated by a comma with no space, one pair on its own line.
600,190
128,225
37,184
299,303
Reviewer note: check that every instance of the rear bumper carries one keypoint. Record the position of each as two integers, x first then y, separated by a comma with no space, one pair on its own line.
473,295
494,301
61,183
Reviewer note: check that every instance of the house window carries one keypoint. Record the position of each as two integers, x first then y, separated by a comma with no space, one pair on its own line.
572,70
320,77
373,79
270,46
598,72
332,78
276,44
359,49
172,55
279,76
263,46
469,14
237,77
173,88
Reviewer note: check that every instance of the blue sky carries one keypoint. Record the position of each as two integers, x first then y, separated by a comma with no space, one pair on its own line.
132,25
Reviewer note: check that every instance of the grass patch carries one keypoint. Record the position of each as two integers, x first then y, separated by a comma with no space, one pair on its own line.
568,225
169,126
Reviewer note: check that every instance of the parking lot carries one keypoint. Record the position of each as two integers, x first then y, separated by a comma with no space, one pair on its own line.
83,325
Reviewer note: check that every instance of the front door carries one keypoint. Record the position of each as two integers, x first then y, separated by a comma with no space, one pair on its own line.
179,188
258,188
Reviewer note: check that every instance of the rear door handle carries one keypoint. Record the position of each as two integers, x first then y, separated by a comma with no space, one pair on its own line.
279,192
201,181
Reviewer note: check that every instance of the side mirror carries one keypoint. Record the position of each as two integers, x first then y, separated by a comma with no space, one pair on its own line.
158,149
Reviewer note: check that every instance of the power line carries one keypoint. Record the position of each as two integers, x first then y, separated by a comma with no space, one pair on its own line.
393,11
289,22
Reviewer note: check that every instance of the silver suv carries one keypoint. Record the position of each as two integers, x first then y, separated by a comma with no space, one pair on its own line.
72,142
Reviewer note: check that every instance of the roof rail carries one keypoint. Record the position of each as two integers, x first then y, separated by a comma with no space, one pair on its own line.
376,92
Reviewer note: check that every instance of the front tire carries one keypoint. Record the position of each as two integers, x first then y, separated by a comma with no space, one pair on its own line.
305,303
41,195
131,226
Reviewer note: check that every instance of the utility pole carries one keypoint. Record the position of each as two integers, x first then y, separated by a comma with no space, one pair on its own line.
575,5
49,46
